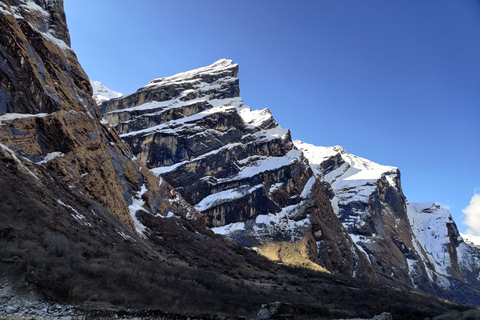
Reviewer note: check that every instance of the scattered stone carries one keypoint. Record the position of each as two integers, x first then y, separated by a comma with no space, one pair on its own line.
383,316
277,311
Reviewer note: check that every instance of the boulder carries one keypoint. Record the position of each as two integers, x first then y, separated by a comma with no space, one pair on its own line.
278,311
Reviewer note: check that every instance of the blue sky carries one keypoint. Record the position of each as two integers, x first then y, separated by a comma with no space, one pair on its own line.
396,82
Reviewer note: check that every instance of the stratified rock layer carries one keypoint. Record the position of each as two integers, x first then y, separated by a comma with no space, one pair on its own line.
237,166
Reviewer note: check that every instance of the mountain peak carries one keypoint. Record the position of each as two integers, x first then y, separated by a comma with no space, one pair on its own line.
219,69
102,93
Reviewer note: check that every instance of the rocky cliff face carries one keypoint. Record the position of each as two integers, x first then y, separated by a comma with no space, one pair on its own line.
452,264
82,220
296,202
48,116
408,244
237,166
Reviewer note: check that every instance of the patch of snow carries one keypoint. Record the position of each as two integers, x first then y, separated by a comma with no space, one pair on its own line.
218,198
137,205
471,239
236,102
269,134
429,225
51,156
125,236
275,186
15,116
254,118
229,228
77,215
265,164
308,187
215,68
359,241
160,170
4,9
58,42
179,122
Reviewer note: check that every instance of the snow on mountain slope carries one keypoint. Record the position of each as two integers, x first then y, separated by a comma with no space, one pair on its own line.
353,179
368,200
102,93
428,222
452,262
471,239
234,164
417,243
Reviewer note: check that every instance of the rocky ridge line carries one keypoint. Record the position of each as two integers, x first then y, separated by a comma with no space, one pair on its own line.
235,165
417,244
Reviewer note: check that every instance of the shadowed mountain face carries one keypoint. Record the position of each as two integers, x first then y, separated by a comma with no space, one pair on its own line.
81,219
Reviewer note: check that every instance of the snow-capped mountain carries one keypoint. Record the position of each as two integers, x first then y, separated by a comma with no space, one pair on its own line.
77,208
414,243
102,93
235,165
258,187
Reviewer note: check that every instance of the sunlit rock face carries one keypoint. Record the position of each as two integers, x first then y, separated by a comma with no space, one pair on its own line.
234,164
48,115
408,244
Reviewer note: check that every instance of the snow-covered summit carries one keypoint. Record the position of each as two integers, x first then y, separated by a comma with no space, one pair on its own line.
102,93
471,239
216,70
352,178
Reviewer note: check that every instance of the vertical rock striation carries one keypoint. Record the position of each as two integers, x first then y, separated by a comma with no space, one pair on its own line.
48,116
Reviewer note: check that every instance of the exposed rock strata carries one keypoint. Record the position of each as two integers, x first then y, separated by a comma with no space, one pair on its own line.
59,164
237,166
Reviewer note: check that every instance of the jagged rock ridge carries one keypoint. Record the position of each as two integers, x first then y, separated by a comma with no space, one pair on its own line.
414,244
237,166
194,130
59,164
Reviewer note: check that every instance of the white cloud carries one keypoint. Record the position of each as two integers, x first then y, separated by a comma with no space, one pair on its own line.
472,215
